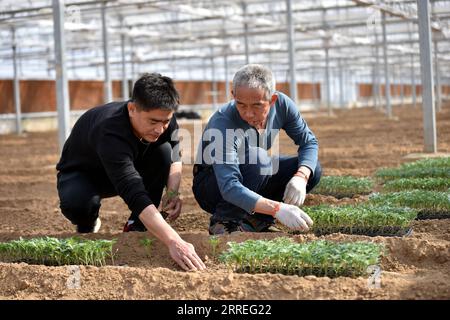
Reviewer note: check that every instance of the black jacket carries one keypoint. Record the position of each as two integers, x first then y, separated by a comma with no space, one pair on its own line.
103,145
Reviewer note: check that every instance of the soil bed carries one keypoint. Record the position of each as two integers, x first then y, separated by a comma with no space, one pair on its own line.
414,267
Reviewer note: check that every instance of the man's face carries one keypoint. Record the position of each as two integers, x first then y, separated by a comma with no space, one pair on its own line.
252,105
148,124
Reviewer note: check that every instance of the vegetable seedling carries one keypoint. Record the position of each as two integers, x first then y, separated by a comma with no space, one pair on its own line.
214,242
53,251
431,184
343,186
147,244
428,204
362,219
412,172
319,258
169,195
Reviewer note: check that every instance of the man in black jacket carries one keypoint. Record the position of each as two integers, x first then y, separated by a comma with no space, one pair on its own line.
128,149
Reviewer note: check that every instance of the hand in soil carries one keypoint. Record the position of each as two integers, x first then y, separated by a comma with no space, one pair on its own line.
293,217
173,208
295,191
170,206
184,254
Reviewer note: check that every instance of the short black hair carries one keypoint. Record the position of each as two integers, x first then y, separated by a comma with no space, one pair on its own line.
154,91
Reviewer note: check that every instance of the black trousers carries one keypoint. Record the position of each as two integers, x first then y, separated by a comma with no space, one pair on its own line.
208,196
81,192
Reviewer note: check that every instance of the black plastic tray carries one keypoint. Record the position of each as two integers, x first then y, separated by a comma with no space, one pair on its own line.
341,195
382,232
427,215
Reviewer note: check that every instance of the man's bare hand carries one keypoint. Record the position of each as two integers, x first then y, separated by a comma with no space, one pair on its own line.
171,204
184,254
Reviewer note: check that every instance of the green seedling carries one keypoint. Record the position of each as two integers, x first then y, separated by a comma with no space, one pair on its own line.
214,242
361,219
147,244
442,162
319,258
169,195
426,168
429,202
431,184
55,252
343,186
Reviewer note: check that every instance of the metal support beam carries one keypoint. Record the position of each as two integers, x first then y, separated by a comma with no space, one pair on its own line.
62,88
429,116
413,70
402,88
16,84
438,77
125,91
413,82
291,45
374,87
227,80
107,81
270,61
327,78
394,91
133,64
314,89
213,82
244,15
336,93
354,84
341,83
377,75
387,88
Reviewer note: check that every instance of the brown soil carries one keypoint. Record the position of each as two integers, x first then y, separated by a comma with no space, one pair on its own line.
354,142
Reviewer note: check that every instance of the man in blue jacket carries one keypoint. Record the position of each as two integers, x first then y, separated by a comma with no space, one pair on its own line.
235,179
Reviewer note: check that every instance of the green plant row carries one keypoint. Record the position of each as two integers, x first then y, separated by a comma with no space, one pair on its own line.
56,252
421,200
432,184
388,174
343,186
433,166
443,162
360,219
319,258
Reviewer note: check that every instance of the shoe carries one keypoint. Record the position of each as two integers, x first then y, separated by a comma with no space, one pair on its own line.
90,229
227,227
132,225
260,225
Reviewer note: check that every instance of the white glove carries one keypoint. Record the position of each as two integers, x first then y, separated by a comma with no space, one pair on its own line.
293,217
295,192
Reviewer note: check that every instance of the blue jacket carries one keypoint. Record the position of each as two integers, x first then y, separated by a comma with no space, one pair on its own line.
227,138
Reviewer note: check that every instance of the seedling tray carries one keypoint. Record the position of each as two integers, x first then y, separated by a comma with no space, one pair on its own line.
428,215
319,258
371,232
